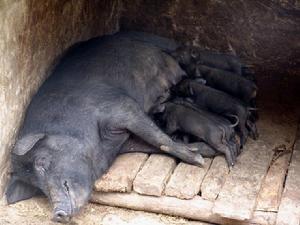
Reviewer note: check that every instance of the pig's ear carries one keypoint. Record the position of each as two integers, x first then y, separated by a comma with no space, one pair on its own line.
26,143
17,190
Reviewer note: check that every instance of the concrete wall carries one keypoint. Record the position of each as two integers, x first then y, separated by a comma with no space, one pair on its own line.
265,33
34,33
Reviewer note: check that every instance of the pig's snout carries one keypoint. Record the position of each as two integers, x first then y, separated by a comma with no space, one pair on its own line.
61,216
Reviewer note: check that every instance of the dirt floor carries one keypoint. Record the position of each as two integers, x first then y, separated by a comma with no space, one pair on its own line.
37,211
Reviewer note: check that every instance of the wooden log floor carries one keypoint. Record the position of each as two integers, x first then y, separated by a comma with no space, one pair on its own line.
262,188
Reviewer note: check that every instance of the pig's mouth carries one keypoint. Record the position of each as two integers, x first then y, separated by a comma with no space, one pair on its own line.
62,213
64,210
61,216
69,204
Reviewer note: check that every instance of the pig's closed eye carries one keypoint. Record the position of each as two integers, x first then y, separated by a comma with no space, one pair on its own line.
42,164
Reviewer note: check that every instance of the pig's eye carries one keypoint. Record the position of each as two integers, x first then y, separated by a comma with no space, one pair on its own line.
194,53
42,164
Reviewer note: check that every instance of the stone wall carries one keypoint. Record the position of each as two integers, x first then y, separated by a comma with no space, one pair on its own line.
33,34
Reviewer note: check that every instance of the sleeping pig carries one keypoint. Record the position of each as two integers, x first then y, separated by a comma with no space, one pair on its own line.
85,111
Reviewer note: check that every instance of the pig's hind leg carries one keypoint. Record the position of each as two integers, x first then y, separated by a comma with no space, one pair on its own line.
135,144
243,132
229,152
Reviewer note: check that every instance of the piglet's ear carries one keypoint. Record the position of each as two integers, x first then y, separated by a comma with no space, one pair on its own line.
191,90
194,53
17,190
26,143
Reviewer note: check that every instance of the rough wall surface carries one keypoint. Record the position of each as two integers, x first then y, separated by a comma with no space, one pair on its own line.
265,33
33,34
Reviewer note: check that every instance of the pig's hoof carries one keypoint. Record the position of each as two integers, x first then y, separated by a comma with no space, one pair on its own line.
193,149
165,148
197,157
230,159
199,160
187,154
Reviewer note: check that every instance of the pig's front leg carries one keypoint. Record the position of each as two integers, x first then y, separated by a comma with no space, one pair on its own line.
149,132
142,126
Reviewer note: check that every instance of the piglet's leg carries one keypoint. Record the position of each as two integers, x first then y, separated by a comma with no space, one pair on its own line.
142,126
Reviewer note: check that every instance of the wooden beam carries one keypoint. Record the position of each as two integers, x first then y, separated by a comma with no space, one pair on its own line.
289,209
262,218
238,196
152,178
195,209
121,174
237,199
270,194
186,180
214,179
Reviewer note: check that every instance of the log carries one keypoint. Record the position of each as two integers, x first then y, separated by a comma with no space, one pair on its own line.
186,180
152,178
121,174
270,194
289,209
195,209
214,179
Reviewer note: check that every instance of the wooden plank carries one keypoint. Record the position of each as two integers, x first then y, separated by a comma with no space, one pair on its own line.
152,178
195,209
214,179
237,198
261,218
121,174
186,180
270,194
289,209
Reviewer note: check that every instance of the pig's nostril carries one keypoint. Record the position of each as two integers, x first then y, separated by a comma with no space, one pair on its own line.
66,186
61,217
